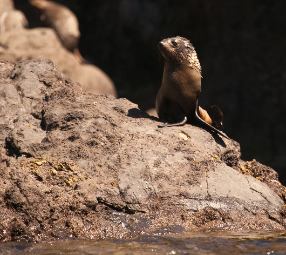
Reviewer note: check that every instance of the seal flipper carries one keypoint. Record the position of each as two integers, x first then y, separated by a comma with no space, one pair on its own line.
198,118
180,123
170,112
216,115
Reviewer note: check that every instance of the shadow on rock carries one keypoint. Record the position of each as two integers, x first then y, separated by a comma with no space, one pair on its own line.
137,113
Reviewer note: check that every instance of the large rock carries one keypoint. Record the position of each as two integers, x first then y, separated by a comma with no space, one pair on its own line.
6,6
27,44
81,165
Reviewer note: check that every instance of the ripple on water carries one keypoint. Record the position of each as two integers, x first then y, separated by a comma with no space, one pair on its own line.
199,243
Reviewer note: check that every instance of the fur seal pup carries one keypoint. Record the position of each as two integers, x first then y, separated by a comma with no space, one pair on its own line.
62,20
177,101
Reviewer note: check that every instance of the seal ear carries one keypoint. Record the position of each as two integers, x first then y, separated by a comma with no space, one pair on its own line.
216,115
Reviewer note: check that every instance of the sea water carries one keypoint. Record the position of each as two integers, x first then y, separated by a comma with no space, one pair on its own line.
265,242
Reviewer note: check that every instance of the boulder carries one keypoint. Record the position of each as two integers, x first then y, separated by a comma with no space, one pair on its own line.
6,6
75,164
27,44
11,19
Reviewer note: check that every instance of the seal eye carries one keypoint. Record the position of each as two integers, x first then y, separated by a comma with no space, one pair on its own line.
174,43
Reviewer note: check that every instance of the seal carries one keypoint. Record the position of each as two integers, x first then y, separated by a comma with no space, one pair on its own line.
177,101
62,20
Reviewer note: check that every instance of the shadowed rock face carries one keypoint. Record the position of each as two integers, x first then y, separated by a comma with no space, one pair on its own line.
77,164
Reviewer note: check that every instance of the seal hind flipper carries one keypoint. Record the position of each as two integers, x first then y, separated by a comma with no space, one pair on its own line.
168,124
200,120
216,115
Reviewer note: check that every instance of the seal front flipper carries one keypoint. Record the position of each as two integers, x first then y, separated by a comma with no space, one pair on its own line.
216,115
199,119
169,111
170,124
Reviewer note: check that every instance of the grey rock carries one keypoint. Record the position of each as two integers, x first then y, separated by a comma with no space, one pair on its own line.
92,166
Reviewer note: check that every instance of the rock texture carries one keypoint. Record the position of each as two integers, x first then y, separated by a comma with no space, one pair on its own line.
75,164
43,42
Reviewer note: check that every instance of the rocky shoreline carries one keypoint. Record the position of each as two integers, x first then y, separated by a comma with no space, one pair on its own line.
75,164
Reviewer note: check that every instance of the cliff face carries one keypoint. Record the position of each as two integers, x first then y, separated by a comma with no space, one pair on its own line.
74,164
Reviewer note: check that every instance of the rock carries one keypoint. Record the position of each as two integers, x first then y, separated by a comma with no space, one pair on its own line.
11,19
43,42
6,6
95,80
75,164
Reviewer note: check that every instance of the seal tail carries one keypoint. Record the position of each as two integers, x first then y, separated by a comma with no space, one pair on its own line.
199,119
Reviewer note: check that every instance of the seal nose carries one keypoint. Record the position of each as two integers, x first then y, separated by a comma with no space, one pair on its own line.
159,52
162,48
161,45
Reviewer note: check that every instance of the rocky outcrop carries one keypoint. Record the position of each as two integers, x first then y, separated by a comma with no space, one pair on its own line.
75,164
27,44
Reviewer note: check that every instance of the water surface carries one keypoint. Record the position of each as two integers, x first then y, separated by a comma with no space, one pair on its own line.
204,243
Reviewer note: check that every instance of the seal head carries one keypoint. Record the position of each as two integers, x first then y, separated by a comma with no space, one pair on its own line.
179,51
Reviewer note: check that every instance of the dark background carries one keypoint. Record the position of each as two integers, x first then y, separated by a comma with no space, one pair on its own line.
241,46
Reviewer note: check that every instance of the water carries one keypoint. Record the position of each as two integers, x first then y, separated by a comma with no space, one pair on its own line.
267,243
